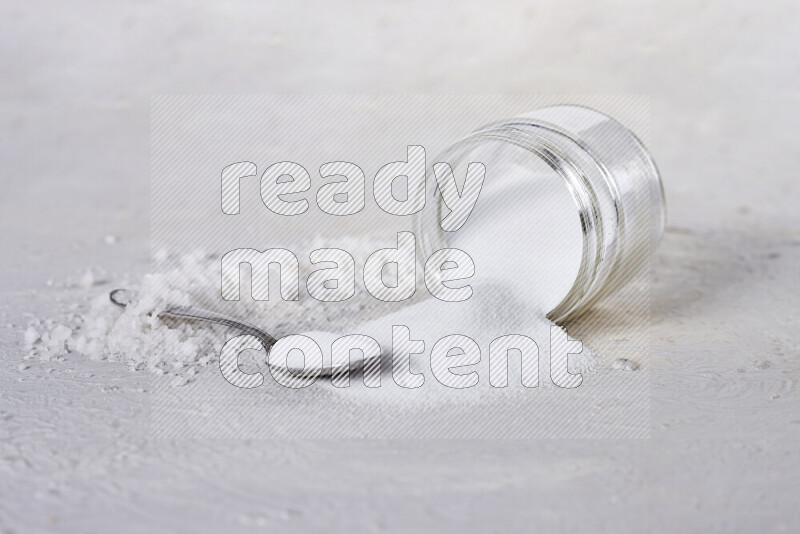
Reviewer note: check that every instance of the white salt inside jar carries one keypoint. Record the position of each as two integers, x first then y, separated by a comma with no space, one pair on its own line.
523,232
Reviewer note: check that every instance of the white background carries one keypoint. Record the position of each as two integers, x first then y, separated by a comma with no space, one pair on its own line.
724,81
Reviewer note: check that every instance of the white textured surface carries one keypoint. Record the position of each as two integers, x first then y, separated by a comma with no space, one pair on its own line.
725,403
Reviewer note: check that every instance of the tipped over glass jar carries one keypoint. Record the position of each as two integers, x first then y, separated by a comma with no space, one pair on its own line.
571,206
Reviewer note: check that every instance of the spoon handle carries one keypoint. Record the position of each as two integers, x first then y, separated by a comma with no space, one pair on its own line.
123,297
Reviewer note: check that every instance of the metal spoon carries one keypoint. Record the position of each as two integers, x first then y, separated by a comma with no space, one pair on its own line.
123,297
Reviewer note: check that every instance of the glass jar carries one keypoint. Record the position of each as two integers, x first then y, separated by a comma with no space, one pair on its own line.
571,206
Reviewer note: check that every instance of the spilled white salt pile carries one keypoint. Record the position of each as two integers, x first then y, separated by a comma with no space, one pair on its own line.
524,238
494,311
138,337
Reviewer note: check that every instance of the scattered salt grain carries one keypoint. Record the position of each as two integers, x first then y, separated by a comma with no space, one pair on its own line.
624,364
59,336
179,381
31,336
87,279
